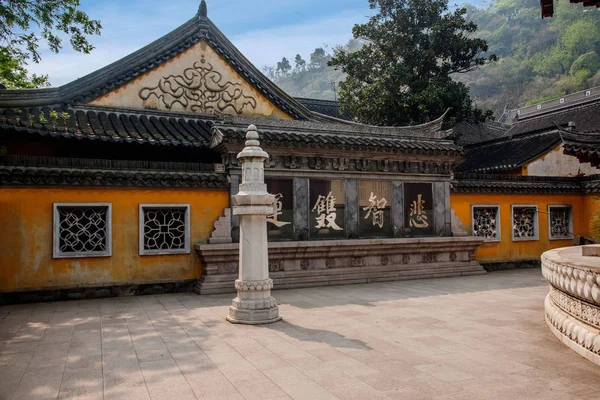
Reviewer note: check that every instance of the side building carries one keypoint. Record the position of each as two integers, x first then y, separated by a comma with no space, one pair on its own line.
531,183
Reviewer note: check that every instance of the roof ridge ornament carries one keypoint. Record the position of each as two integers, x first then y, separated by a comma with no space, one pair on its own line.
203,10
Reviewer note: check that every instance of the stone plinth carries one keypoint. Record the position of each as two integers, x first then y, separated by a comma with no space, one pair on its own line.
572,307
339,262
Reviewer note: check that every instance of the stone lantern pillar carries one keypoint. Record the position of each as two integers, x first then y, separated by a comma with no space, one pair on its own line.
254,303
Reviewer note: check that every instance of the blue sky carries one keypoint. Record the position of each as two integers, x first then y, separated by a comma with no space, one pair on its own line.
264,30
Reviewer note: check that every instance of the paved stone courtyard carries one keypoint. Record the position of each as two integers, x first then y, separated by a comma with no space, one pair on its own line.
462,338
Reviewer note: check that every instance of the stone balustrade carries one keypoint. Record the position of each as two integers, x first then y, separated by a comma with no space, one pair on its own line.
572,307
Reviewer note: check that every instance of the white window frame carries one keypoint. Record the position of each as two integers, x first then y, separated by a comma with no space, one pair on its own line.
185,250
498,226
570,208
56,253
536,227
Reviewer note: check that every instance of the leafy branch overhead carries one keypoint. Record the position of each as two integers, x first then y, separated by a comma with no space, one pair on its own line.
27,24
402,74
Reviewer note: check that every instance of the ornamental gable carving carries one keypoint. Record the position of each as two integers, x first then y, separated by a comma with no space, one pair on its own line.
196,81
200,89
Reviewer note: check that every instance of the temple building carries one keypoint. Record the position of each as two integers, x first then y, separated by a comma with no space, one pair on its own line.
121,181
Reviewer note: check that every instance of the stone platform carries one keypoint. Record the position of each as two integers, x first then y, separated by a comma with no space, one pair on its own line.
339,262
573,304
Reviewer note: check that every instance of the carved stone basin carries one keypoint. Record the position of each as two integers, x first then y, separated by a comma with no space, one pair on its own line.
572,307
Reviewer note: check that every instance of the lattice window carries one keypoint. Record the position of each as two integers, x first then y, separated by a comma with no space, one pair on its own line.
524,222
164,228
486,221
560,222
82,230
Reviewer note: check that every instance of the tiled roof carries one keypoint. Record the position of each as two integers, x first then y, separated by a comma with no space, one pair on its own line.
529,137
584,116
325,107
470,132
508,153
489,183
114,125
67,172
335,136
69,177
585,146
193,130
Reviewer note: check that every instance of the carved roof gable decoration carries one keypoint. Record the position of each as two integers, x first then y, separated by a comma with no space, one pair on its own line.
162,65
201,89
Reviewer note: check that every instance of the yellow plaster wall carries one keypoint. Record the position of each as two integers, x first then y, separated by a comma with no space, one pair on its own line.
556,163
199,67
26,261
507,249
591,204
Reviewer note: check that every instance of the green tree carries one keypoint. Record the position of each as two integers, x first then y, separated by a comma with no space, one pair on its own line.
24,24
402,74
283,66
13,74
319,58
299,62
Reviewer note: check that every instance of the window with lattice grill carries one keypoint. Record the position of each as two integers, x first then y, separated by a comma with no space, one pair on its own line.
524,222
486,221
560,222
82,230
164,229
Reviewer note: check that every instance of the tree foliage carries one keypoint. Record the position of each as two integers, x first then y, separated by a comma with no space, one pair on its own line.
26,24
540,59
283,66
403,73
299,62
13,74
319,58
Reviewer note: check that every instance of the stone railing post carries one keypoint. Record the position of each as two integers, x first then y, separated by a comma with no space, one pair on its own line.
254,303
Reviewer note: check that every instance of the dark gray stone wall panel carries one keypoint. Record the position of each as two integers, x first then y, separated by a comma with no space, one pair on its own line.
397,208
301,212
351,197
439,208
448,210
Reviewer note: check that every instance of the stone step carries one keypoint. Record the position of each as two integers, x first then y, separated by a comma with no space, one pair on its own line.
342,276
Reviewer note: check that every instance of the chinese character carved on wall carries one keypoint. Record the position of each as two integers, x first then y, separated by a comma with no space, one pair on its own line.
325,207
418,219
277,206
375,210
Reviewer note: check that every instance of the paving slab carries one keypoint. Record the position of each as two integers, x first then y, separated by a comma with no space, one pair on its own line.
480,337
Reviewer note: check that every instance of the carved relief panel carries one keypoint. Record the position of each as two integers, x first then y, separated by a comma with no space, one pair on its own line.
201,89
196,81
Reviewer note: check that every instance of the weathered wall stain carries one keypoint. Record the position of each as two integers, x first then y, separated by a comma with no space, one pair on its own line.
556,163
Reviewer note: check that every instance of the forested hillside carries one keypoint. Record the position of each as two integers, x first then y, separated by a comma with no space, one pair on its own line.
538,59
